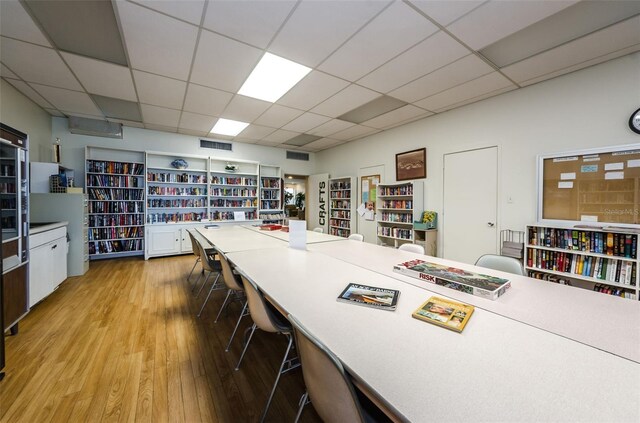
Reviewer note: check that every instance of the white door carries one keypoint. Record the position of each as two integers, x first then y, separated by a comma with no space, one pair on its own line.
185,241
470,204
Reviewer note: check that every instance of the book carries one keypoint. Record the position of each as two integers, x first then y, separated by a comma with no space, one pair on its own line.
445,313
270,227
370,296
481,285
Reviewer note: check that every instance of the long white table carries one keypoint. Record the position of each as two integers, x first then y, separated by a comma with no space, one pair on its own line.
237,238
498,369
603,321
312,237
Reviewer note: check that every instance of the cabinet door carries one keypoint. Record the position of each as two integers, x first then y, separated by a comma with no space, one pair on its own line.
14,295
58,251
163,241
185,241
40,264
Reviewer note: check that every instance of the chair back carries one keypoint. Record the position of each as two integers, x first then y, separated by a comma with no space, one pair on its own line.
230,279
261,313
319,230
503,263
208,261
195,245
414,248
329,387
356,237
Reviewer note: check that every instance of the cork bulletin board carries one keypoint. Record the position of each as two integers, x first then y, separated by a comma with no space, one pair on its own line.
591,186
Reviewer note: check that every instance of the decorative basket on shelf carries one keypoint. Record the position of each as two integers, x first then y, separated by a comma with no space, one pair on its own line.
429,220
231,168
180,164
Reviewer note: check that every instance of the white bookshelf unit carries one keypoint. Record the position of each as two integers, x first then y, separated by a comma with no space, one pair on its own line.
271,209
397,207
342,206
115,188
602,259
233,188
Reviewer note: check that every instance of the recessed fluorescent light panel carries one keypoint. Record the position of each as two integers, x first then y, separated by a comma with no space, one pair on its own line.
272,78
228,127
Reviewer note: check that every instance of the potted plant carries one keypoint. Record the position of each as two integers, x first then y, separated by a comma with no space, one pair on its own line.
300,200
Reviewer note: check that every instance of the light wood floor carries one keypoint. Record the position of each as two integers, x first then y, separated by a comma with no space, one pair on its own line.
122,343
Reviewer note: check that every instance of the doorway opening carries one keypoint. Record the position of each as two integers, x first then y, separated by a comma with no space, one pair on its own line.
295,188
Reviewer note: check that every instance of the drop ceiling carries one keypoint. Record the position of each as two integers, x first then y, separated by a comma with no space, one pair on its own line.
177,66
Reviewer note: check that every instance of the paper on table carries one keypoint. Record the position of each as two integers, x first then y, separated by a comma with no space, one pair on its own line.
614,175
614,166
362,208
238,216
298,234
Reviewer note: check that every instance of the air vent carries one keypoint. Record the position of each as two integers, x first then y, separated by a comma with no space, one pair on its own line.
296,155
95,127
216,145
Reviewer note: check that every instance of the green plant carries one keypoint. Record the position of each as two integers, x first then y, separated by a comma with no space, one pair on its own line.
300,200
288,196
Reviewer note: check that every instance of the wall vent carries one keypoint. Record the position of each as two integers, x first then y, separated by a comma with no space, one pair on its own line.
296,155
216,145
94,127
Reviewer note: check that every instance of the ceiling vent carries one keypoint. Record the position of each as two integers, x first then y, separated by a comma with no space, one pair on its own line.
95,127
296,155
216,145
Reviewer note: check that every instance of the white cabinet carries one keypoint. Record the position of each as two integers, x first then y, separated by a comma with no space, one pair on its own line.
163,240
47,263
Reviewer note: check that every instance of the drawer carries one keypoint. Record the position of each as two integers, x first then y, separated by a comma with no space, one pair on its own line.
46,236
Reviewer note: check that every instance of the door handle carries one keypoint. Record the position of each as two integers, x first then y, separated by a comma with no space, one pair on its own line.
54,246
491,224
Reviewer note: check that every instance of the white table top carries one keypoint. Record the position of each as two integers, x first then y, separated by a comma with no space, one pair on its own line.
236,238
312,237
498,369
603,321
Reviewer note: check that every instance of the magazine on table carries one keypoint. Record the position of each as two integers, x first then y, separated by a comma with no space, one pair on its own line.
446,313
370,296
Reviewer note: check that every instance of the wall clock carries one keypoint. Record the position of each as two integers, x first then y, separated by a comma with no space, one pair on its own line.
634,121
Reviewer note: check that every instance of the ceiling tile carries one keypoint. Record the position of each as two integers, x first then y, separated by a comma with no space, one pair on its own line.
317,28
159,91
15,22
463,70
346,100
277,116
196,122
311,90
37,64
485,84
206,101
117,108
475,99
102,78
129,123
497,19
254,22
25,89
306,122
256,132
193,132
54,112
157,43
280,136
68,101
5,72
608,40
323,144
396,116
223,63
190,11
245,109
153,115
446,11
302,139
331,127
161,128
389,34
433,53
356,131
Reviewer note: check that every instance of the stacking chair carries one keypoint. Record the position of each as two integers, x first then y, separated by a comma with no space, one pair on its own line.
211,265
414,248
356,237
328,385
195,248
235,290
503,263
267,318
319,230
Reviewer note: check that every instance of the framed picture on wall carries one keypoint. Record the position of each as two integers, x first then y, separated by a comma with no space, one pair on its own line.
411,165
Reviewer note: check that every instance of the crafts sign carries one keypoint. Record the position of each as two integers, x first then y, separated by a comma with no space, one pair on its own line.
322,203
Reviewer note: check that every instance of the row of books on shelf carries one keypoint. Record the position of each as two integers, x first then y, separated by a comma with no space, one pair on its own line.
339,194
106,247
182,178
610,243
618,292
340,214
114,181
340,185
270,182
115,207
155,190
396,217
116,220
220,202
230,216
396,204
270,195
339,223
399,190
96,234
439,311
175,217
7,188
391,231
159,203
340,204
100,166
227,180
270,204
114,194
343,232
233,192
612,270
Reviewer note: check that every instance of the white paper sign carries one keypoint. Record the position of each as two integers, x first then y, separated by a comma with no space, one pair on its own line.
568,176
298,234
614,175
614,166
362,208
588,218
238,216
369,215
633,163
565,185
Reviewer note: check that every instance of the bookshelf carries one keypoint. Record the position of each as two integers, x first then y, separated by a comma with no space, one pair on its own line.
342,206
397,207
233,188
271,208
116,205
602,259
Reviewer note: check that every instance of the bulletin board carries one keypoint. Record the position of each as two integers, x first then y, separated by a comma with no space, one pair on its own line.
599,185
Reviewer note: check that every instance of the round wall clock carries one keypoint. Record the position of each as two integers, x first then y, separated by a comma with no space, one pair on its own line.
634,121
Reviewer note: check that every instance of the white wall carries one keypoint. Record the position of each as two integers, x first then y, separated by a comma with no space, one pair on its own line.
584,109
21,113
73,148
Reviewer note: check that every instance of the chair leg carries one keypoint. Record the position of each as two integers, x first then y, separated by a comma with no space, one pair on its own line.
275,384
224,304
246,345
243,313
195,284
304,400
213,287
203,284
192,269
